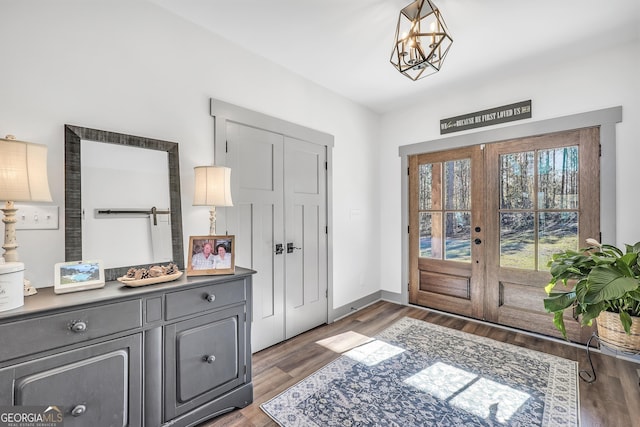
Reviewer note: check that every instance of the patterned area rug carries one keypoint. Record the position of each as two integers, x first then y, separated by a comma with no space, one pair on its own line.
419,374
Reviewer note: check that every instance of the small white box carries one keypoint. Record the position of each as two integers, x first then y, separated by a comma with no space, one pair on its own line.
11,285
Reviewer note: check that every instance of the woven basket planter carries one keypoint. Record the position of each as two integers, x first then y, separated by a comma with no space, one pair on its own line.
612,334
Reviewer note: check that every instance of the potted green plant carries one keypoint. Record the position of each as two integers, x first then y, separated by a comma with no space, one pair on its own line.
605,285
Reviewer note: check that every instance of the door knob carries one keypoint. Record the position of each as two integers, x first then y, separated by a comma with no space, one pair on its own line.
290,248
477,241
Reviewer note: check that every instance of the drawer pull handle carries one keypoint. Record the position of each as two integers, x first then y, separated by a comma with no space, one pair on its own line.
78,410
210,359
78,326
210,297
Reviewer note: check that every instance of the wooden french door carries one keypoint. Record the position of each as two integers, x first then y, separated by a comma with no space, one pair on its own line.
530,197
279,220
447,227
544,195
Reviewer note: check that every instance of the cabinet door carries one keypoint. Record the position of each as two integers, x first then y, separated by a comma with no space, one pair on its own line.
98,385
205,358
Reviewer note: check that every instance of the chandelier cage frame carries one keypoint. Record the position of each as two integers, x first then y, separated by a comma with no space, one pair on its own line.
418,53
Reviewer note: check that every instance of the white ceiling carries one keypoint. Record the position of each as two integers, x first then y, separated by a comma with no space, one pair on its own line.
345,45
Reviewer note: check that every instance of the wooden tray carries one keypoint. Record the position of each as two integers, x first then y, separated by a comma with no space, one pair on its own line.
150,280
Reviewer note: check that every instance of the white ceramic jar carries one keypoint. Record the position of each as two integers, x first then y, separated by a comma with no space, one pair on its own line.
11,285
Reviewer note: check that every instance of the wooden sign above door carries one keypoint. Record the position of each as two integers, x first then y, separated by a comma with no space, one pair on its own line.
506,113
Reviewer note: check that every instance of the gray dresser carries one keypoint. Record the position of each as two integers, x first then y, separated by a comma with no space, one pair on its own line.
175,353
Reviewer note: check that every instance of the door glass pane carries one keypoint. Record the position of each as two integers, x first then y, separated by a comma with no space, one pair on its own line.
557,231
457,176
517,240
458,242
516,180
425,180
430,239
558,178
556,188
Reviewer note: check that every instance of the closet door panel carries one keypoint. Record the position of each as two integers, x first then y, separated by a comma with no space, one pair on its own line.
256,219
279,217
305,221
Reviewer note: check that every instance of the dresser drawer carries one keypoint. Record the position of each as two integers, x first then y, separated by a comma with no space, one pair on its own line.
59,330
96,385
197,300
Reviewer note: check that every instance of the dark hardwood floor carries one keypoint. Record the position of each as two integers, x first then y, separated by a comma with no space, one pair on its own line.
612,401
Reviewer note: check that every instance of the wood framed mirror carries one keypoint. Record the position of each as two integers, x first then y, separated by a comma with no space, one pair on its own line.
75,138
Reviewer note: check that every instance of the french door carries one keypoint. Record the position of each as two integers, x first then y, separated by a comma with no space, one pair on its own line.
446,201
486,219
279,220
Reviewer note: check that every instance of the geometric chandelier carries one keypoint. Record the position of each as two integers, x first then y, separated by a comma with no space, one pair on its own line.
422,40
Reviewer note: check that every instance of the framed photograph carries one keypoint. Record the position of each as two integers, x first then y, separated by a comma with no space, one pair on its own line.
78,276
209,255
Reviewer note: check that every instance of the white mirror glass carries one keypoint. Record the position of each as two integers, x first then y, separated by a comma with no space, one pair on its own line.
120,186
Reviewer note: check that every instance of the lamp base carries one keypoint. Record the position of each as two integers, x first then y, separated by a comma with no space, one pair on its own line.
11,285
212,221
10,245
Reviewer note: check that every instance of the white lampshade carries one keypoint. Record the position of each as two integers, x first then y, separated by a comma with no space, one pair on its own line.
212,186
23,171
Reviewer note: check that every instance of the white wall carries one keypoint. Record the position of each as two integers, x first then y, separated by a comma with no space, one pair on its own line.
575,85
131,67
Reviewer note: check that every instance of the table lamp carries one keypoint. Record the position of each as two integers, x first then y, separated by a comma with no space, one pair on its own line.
23,178
212,188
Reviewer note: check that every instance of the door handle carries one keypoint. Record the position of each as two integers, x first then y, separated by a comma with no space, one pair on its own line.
279,248
290,248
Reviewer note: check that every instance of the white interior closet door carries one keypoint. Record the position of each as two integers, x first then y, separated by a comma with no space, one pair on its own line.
257,220
305,236
279,199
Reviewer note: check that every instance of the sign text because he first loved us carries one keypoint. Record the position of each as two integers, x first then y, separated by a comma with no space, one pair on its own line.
492,116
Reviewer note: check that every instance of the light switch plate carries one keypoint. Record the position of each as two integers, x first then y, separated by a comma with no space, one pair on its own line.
32,217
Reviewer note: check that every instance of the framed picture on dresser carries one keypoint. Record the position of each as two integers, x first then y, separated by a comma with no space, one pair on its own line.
209,255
